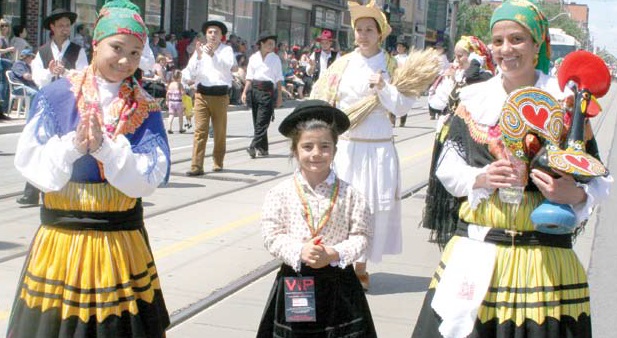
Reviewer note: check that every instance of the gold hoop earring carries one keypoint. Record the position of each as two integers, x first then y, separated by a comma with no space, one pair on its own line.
535,60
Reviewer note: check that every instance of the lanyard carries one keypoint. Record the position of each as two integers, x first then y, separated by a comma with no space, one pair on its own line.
308,213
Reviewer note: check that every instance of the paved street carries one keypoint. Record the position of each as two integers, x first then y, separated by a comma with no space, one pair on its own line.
206,239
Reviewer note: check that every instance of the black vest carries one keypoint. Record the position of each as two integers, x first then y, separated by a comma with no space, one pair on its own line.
69,58
318,63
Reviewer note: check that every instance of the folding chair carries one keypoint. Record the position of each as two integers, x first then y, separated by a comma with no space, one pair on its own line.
15,94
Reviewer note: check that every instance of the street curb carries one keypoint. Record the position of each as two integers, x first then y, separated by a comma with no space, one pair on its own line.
13,126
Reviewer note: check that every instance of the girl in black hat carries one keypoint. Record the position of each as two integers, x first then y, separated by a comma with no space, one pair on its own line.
318,226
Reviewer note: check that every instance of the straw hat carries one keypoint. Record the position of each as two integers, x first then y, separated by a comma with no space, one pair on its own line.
370,10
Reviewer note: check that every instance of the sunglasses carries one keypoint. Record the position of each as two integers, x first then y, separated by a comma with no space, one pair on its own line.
4,25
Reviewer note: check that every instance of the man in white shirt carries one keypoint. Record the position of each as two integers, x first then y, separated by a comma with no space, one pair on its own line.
264,77
401,56
321,59
210,68
52,61
59,55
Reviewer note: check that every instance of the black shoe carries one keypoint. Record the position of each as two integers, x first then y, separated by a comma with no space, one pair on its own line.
263,153
198,172
251,152
25,200
4,117
170,131
182,131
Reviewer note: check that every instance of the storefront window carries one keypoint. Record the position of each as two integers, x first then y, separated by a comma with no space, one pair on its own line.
244,23
151,11
282,31
222,10
87,12
292,25
10,10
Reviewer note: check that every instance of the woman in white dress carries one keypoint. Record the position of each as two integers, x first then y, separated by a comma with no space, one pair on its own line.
366,156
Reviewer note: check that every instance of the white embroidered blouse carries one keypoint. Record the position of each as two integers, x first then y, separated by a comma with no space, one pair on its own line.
285,230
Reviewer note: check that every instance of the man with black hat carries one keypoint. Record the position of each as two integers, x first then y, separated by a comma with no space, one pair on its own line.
264,73
211,68
52,62
59,54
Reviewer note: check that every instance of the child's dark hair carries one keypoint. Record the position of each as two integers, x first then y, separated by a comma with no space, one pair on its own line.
308,125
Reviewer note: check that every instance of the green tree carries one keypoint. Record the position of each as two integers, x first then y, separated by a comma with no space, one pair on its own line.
606,56
557,20
474,20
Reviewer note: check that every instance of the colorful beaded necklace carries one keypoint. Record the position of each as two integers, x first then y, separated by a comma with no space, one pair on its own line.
308,213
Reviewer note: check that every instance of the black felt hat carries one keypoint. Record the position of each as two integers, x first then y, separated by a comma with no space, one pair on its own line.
216,23
265,35
57,14
314,110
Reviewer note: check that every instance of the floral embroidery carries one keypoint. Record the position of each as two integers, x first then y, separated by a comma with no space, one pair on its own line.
126,113
480,133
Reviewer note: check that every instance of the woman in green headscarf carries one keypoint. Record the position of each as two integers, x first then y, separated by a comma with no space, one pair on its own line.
498,277
95,145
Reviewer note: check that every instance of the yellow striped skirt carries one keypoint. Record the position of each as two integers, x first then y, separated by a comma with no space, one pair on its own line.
89,274
528,282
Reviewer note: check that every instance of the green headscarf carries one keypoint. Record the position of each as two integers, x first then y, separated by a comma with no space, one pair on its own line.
529,16
119,17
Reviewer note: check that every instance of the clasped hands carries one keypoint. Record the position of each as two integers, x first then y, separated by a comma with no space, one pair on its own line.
201,47
562,189
56,67
89,133
317,255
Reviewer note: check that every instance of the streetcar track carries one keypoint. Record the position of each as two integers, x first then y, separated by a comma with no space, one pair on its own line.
217,195
183,314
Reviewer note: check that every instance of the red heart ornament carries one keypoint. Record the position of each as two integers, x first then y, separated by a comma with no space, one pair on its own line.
579,162
537,117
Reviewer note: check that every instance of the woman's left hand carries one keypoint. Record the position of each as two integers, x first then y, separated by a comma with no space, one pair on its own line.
95,132
561,190
377,81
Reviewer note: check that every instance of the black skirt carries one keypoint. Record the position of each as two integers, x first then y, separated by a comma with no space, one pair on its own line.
342,309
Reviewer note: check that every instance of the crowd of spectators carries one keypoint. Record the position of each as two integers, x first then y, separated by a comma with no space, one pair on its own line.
172,52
